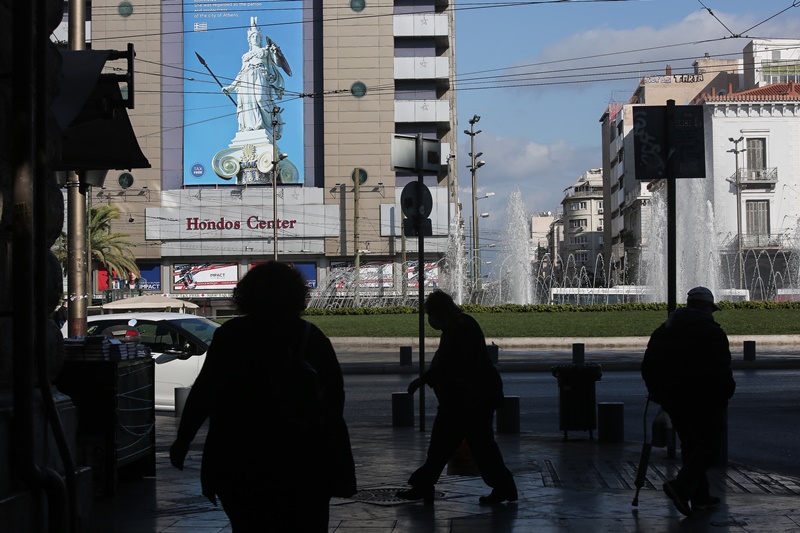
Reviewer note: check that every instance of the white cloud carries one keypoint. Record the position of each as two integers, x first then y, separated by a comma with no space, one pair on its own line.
540,171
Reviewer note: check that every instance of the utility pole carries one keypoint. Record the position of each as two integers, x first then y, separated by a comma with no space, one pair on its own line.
356,280
77,261
473,167
738,183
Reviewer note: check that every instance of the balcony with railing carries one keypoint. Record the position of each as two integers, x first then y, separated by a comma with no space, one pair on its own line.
760,241
754,178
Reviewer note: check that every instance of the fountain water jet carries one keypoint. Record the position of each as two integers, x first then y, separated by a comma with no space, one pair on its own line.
515,265
696,241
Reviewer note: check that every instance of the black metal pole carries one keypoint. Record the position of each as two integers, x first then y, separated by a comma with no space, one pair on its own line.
672,249
420,277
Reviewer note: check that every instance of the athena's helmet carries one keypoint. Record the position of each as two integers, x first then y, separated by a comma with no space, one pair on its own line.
253,30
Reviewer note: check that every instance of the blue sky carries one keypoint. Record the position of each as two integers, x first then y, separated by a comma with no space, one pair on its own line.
542,136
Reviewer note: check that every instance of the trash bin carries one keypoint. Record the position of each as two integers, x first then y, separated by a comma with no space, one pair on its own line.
577,409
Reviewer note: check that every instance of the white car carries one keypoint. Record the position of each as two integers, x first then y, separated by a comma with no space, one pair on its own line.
178,342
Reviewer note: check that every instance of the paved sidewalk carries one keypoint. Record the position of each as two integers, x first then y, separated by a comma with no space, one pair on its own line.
579,485
576,485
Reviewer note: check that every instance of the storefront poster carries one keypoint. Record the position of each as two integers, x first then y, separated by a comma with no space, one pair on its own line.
205,276
150,279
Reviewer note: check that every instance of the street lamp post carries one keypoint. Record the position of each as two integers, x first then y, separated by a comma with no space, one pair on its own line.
476,252
275,160
477,237
738,183
473,167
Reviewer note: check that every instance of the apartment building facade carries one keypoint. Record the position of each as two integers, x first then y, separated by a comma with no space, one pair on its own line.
746,215
582,208
627,199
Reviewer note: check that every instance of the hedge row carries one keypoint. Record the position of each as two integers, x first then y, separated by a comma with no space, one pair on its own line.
542,308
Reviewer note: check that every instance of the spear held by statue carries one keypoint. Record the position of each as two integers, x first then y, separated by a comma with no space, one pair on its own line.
203,62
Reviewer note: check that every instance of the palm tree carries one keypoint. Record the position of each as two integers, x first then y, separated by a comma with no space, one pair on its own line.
111,250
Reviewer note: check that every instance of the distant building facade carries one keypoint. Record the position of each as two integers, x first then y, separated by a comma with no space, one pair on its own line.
583,212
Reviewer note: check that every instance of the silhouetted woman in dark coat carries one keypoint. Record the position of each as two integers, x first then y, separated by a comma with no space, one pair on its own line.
269,471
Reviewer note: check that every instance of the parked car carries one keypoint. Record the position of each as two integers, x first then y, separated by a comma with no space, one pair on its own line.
178,343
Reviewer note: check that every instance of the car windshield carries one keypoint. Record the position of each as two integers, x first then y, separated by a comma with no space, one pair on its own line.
202,328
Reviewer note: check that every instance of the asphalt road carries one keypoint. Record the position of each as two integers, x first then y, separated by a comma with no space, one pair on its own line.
762,417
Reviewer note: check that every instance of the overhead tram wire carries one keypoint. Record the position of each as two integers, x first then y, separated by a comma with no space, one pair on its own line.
358,17
795,3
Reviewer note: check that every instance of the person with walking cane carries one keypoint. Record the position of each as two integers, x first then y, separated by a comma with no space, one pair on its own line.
687,370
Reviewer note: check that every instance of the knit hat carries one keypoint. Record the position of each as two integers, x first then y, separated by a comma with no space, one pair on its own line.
702,294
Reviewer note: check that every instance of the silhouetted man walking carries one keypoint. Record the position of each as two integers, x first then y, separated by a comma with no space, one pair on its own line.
469,389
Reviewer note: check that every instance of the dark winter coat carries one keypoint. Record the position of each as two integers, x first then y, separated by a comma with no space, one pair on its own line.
687,364
247,440
461,372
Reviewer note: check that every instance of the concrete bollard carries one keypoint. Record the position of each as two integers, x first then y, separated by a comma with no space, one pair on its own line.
611,422
181,393
578,353
749,350
405,356
494,353
402,409
508,415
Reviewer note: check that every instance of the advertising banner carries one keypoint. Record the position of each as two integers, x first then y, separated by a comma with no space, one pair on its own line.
431,274
242,60
205,276
150,279
372,274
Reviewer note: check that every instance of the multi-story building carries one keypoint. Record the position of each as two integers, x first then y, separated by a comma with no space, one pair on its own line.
761,120
344,79
768,61
626,197
582,220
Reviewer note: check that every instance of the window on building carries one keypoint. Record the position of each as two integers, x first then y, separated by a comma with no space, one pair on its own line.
581,257
757,214
578,223
582,239
756,155
600,240
576,206
779,70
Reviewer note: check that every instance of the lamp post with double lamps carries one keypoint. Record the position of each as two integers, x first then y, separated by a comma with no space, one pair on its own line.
473,167
737,181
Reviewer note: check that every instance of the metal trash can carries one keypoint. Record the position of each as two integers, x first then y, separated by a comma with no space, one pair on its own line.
577,409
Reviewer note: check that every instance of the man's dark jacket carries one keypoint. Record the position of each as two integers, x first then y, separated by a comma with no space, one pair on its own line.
461,372
687,364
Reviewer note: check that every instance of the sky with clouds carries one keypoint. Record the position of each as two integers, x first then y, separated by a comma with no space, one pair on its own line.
541,74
